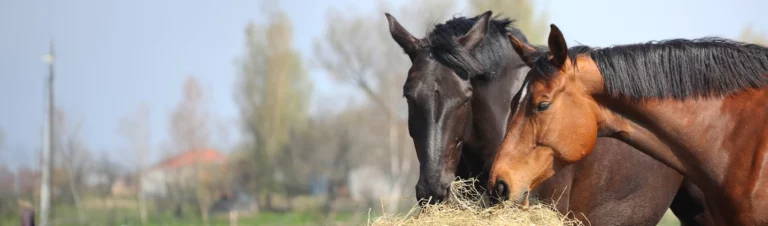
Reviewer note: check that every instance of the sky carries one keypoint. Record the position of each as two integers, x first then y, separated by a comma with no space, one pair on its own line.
113,56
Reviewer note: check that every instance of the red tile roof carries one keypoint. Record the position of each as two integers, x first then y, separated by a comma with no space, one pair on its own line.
190,158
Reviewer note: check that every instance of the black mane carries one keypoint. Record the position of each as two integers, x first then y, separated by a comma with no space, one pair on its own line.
486,59
677,68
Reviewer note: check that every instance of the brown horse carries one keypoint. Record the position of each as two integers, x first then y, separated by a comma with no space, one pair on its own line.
700,106
459,89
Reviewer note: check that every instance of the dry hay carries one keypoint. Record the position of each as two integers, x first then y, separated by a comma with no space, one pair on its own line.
466,207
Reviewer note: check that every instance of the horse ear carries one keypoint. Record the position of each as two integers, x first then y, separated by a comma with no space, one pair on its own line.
557,46
477,33
402,36
523,50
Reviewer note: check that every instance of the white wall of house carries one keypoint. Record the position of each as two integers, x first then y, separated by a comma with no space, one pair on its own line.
156,181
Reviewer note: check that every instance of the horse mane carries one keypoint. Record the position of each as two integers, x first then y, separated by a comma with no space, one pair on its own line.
486,59
676,68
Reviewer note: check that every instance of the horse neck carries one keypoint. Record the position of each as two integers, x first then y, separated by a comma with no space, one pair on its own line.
698,137
490,106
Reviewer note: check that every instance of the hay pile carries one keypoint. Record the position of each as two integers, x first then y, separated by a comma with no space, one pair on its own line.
466,207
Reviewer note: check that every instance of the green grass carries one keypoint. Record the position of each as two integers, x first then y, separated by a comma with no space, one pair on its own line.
129,217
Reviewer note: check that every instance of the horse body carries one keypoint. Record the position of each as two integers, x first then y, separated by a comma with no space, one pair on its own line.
720,144
457,122
699,106
603,192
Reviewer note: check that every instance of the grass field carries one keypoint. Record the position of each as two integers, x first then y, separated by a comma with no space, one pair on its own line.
264,218
130,217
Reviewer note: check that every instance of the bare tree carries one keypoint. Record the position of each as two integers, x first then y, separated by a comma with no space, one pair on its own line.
189,121
748,34
135,129
2,145
73,156
109,169
346,138
190,131
364,56
534,25
2,140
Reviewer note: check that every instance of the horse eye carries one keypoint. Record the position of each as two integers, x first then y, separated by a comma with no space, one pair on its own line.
543,106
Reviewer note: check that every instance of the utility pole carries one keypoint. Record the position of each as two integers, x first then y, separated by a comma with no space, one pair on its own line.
46,184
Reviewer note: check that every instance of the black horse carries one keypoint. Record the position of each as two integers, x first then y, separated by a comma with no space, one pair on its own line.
459,88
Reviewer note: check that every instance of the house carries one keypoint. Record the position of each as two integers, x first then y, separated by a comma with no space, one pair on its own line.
178,171
124,186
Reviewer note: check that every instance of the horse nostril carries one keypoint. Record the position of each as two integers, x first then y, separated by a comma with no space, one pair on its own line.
524,196
524,199
502,190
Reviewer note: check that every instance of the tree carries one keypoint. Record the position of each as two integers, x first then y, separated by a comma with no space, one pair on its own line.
365,57
108,168
273,93
345,139
190,131
8,196
74,156
2,140
2,144
534,26
135,129
748,34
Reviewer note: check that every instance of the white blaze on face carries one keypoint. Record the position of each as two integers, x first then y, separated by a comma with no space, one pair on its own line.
523,94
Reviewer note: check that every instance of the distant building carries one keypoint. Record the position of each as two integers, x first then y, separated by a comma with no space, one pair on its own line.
124,186
178,171
95,179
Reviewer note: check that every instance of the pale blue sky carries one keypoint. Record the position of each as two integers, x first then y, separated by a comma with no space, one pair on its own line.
114,55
